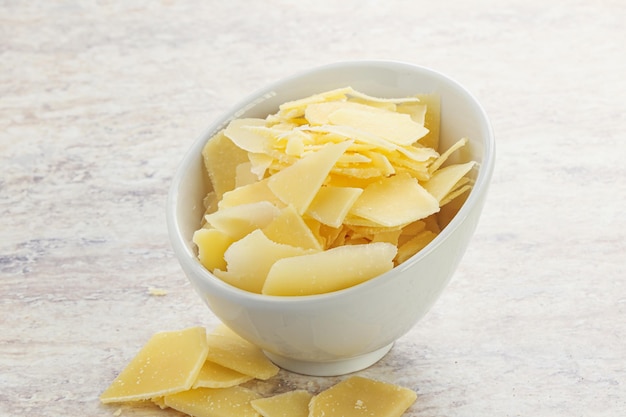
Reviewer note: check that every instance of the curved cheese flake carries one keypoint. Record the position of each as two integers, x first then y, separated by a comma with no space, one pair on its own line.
218,402
168,363
238,221
444,180
330,270
252,193
393,201
221,158
247,139
249,259
444,156
299,183
367,97
211,245
296,108
359,397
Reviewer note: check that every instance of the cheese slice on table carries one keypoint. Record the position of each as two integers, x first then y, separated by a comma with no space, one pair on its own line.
393,201
361,397
231,351
213,375
289,404
168,363
299,183
331,270
214,402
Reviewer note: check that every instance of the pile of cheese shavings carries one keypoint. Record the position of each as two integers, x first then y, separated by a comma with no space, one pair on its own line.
333,180
205,375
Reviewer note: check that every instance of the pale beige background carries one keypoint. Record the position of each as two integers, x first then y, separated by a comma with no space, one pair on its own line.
100,99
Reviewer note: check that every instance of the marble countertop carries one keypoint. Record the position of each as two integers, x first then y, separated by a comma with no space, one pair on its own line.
100,99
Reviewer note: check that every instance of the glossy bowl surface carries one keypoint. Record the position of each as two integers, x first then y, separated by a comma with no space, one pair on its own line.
348,330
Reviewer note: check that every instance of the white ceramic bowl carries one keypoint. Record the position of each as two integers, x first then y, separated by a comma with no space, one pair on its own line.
348,330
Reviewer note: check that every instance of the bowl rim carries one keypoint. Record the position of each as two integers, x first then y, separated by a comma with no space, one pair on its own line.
232,293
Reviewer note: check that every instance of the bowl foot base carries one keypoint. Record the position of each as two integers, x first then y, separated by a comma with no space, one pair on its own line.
331,368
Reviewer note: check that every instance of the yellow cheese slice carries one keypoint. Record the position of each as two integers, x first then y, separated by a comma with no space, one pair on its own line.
244,175
369,98
289,404
168,363
259,163
414,245
231,351
397,128
211,245
444,156
319,113
215,402
417,111
360,397
251,193
247,139
213,375
221,158
444,179
249,260
298,184
238,221
296,108
289,228
432,119
331,270
393,201
331,204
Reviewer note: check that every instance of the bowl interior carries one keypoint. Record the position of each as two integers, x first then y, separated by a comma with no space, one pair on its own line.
461,116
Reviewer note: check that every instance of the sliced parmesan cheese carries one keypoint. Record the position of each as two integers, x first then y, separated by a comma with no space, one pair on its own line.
252,193
168,363
238,221
211,245
249,260
414,245
298,184
289,404
331,270
231,351
397,200
432,119
289,228
397,128
213,375
221,159
331,204
214,402
359,397
444,180
245,138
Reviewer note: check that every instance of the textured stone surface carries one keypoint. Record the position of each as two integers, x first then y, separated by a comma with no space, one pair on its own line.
99,100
